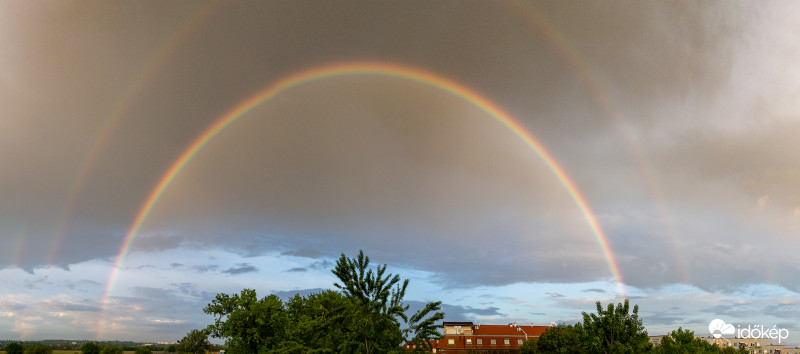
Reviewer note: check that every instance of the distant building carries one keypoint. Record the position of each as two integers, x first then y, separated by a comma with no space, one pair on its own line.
751,345
464,336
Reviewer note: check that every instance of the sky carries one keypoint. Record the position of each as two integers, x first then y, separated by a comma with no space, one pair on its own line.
518,161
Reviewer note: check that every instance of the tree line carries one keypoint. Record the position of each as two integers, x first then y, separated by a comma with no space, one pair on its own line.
366,315
616,329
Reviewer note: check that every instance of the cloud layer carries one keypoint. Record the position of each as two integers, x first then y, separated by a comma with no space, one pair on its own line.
676,121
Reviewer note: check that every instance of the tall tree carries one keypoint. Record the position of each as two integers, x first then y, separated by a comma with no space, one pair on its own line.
613,330
683,341
319,321
247,323
194,342
90,348
378,300
14,348
561,339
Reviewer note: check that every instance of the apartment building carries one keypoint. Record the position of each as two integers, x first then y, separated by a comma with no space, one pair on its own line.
464,336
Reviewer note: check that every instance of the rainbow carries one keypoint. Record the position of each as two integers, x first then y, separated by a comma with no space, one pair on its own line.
365,69
166,49
584,73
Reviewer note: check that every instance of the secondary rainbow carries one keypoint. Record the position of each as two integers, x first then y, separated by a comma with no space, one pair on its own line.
199,15
583,72
367,69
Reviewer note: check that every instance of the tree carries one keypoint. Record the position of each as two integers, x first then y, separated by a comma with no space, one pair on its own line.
38,349
684,341
194,342
143,350
90,348
247,323
613,330
378,307
562,338
172,348
111,349
14,348
318,321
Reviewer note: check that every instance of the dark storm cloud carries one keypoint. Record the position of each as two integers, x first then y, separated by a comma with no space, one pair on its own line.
675,120
241,269
303,252
594,290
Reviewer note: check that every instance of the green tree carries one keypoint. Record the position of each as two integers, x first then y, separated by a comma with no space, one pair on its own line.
38,349
247,323
562,338
613,330
683,341
171,348
111,349
378,308
732,350
318,321
14,348
143,350
194,342
90,348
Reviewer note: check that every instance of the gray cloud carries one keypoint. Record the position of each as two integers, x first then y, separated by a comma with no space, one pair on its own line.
241,269
288,294
677,122
458,312
594,290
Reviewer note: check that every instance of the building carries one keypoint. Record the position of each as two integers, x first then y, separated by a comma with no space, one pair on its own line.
464,336
751,345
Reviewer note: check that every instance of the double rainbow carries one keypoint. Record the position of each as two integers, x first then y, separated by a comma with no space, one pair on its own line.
361,69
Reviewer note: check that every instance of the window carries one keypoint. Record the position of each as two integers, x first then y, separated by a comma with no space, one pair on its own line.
506,341
480,341
469,341
519,341
451,341
493,341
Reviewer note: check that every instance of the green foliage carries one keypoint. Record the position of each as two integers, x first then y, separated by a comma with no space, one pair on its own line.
684,341
111,349
143,350
195,341
319,321
562,338
249,324
364,317
38,349
731,350
90,348
613,330
14,348
172,348
378,307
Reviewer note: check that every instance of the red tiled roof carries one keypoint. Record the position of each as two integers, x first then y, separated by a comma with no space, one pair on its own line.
485,334
505,330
